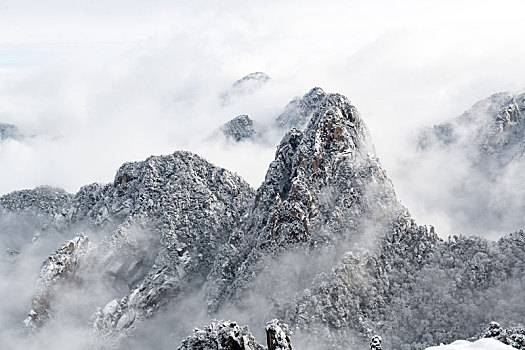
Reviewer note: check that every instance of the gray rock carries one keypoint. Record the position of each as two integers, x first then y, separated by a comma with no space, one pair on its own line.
242,128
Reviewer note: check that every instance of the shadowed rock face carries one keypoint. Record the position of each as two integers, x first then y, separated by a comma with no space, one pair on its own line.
278,335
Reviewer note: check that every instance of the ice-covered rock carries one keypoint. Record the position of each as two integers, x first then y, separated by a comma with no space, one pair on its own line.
323,244
186,207
163,219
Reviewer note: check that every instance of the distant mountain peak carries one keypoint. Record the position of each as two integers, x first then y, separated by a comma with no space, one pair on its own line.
255,78
241,128
245,86
298,111
9,131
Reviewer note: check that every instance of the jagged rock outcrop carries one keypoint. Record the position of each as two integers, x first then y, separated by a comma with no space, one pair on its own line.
221,336
62,268
228,335
9,131
320,190
246,85
278,335
241,128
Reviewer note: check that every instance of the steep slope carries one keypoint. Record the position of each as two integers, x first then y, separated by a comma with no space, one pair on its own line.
320,193
61,267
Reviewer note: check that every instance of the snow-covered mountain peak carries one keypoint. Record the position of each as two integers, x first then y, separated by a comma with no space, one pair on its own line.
241,128
245,86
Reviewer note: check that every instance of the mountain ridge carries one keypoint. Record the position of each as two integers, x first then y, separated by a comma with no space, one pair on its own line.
323,244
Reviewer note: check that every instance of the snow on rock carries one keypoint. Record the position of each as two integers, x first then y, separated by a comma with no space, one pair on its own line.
482,344
299,111
187,208
514,337
221,336
30,213
323,244
278,335
321,187
163,220
241,128
62,267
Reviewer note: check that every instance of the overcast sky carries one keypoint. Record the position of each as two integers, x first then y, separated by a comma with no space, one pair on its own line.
97,83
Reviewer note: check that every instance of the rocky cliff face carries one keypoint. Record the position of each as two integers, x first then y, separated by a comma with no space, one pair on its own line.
319,194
